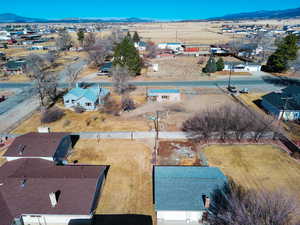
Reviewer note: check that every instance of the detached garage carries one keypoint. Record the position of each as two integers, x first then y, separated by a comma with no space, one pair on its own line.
182,194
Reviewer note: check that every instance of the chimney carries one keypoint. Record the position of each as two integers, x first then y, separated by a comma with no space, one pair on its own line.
53,199
23,183
207,202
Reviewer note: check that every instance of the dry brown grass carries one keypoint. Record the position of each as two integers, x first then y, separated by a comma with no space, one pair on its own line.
128,187
197,32
87,121
15,78
179,68
232,73
256,166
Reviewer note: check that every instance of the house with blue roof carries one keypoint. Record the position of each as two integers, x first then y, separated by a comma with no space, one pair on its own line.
164,95
87,98
182,194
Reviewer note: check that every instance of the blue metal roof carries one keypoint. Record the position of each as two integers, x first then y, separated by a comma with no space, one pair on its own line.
162,91
91,93
183,187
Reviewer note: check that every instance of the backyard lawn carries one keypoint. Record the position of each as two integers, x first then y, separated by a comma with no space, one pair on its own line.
128,187
256,166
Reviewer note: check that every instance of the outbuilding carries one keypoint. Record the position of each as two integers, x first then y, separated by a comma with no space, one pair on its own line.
164,95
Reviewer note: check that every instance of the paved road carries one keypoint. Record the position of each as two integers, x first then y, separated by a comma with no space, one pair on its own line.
205,83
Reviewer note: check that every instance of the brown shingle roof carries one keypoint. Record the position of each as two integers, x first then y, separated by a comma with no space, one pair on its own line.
77,185
35,145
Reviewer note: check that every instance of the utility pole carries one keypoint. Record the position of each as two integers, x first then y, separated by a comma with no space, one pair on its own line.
286,99
176,35
229,78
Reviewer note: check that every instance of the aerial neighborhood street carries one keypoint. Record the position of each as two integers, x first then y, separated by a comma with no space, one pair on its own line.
123,119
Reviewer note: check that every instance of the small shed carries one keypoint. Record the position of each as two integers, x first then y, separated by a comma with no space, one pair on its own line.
164,95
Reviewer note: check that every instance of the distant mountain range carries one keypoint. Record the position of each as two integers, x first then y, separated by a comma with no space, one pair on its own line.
275,14
13,18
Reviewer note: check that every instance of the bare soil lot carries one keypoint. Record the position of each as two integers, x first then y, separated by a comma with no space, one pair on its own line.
256,166
182,153
128,187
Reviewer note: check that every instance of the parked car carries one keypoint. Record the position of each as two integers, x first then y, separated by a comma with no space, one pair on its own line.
232,89
244,91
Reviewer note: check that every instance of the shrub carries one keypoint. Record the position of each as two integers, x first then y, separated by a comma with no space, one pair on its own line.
127,104
52,115
66,123
79,109
110,106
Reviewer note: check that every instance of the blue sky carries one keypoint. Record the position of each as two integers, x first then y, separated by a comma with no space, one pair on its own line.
159,9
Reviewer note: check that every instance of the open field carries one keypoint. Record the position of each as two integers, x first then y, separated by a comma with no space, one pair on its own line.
256,166
171,115
189,32
128,187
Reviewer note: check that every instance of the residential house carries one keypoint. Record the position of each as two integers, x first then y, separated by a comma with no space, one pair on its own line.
164,95
182,194
141,46
48,146
4,35
38,192
14,67
87,98
284,104
242,67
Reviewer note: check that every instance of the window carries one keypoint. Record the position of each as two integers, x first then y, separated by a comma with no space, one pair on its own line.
73,101
88,104
67,101
165,97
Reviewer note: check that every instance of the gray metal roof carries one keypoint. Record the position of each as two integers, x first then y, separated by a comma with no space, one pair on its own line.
183,187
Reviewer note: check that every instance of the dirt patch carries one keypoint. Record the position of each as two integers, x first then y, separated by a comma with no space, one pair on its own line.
256,166
128,187
182,153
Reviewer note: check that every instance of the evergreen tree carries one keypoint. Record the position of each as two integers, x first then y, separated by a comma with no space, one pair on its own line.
80,36
220,64
128,35
136,37
127,55
286,51
211,66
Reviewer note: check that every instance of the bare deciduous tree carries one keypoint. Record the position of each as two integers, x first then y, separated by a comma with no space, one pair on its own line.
152,50
233,205
127,104
99,51
89,40
228,122
295,65
63,41
37,69
121,77
72,75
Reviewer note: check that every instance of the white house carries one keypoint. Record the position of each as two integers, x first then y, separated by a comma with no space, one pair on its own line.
173,46
164,95
241,67
141,46
182,194
4,36
38,192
